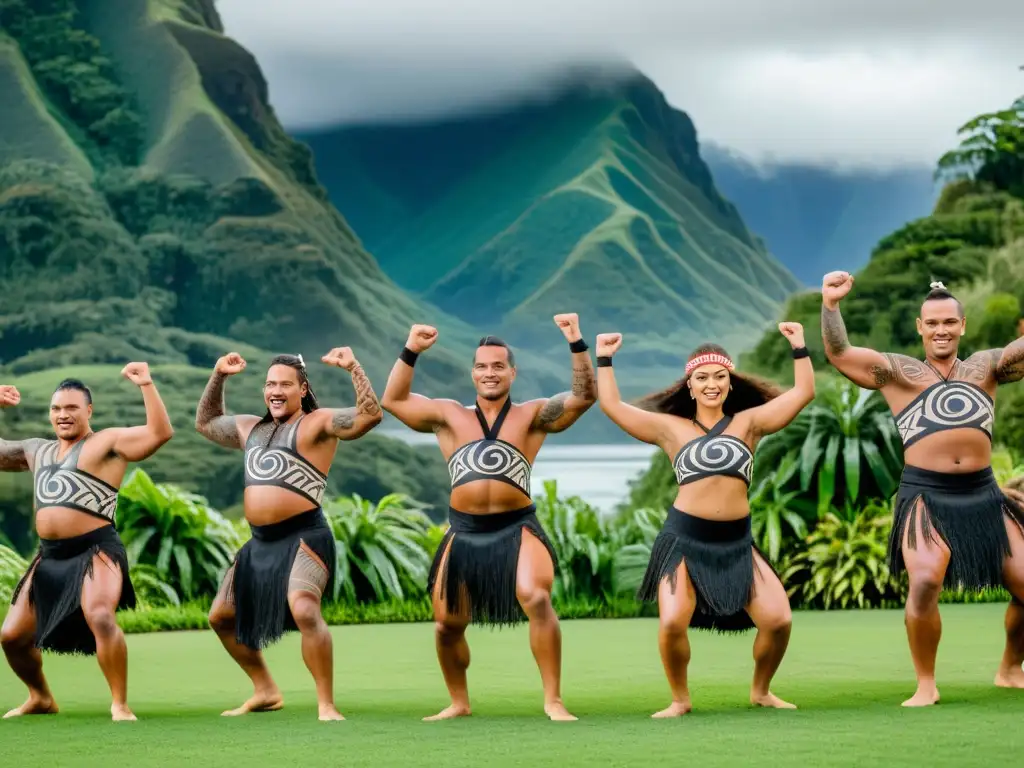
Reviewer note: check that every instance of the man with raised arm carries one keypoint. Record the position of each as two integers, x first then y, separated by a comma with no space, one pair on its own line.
68,598
953,526
281,574
495,564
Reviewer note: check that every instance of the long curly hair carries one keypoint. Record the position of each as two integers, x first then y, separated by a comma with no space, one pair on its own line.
746,391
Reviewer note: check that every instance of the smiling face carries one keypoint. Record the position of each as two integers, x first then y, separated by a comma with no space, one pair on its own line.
492,373
70,412
283,392
941,325
710,385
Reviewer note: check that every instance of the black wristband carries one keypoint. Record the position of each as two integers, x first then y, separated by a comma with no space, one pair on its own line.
578,346
604,361
799,352
408,356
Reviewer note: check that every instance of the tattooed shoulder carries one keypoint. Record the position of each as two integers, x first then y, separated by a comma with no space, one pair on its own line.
907,369
979,367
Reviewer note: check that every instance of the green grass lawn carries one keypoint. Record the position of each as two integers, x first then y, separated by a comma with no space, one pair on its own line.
848,673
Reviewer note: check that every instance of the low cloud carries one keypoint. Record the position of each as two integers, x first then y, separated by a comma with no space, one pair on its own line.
877,83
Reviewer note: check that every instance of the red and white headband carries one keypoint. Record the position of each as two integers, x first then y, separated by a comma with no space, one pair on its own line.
706,359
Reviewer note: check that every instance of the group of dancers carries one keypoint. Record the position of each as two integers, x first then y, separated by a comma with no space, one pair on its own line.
954,526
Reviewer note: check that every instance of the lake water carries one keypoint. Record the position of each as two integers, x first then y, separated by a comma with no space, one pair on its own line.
598,474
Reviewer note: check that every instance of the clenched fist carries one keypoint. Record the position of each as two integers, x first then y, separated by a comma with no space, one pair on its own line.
9,395
834,286
230,364
343,357
608,344
137,374
569,325
421,338
794,332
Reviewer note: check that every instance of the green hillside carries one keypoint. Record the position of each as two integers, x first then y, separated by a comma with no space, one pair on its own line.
153,208
597,200
973,242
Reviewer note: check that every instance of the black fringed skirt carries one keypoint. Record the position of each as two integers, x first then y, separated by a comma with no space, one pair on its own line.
482,563
968,511
262,569
58,572
719,556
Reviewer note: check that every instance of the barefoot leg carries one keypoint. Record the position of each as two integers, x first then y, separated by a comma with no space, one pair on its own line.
926,566
452,648
17,637
535,575
101,593
769,610
306,584
1010,673
266,695
675,610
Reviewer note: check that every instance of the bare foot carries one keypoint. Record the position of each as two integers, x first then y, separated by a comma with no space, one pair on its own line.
120,713
260,702
328,712
675,709
925,696
769,700
449,713
34,706
1010,678
556,711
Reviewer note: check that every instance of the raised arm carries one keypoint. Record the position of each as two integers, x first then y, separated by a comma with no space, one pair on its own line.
560,412
354,422
776,414
211,421
417,412
138,443
15,455
865,367
647,427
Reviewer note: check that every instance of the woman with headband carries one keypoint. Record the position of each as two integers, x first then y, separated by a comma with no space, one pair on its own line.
705,571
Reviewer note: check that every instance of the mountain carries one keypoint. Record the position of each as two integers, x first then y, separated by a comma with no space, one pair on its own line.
594,199
817,219
152,207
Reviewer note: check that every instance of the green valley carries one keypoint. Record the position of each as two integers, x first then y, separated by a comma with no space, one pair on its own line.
596,200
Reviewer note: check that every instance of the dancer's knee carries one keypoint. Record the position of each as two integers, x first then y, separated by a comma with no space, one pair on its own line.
536,602
13,638
222,619
306,612
449,631
674,624
923,596
101,621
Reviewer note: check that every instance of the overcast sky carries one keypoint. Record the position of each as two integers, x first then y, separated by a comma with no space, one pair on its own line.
872,82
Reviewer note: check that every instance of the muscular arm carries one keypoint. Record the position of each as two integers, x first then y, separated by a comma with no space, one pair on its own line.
350,423
865,367
999,366
138,443
15,455
417,412
647,427
560,412
213,424
776,414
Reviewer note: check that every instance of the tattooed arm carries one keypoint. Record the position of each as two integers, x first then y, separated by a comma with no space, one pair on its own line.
17,455
995,366
354,422
560,412
865,367
211,421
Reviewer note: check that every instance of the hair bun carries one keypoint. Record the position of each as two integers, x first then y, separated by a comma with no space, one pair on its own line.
936,285
301,361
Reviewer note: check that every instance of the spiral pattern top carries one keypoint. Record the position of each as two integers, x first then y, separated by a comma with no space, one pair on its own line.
946,405
272,458
490,460
62,484
722,455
